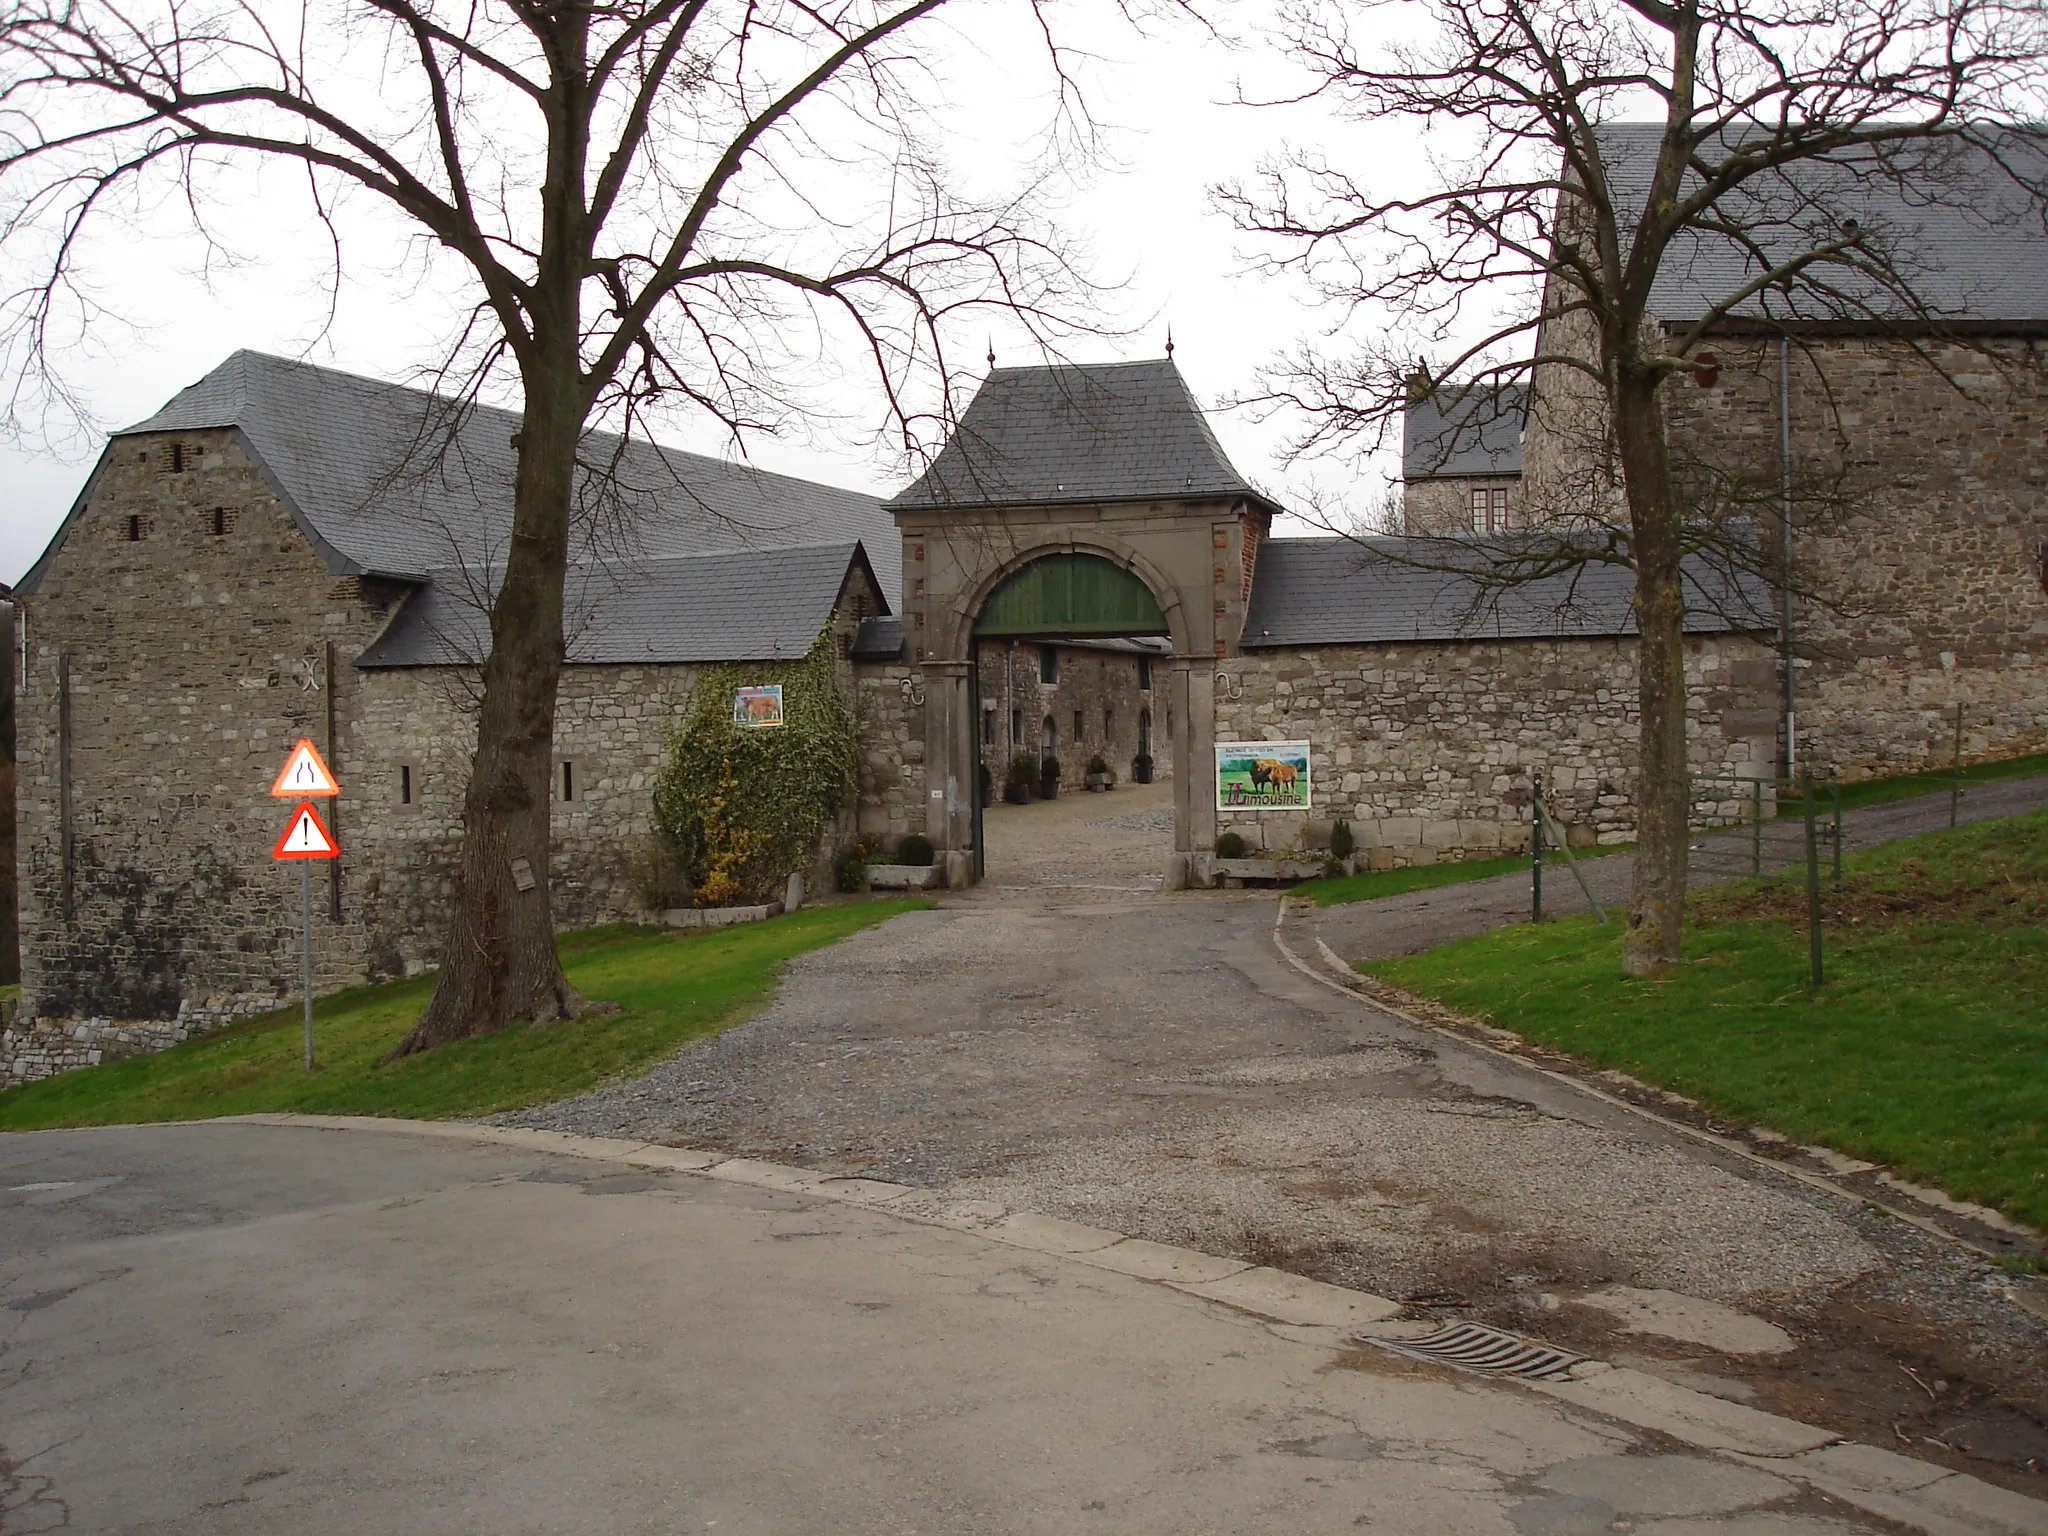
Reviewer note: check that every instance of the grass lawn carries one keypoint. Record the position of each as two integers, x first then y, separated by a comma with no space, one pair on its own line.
1927,1050
674,987
1366,885
1907,785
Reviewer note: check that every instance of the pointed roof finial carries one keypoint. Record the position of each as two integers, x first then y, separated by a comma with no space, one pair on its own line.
1169,341
991,351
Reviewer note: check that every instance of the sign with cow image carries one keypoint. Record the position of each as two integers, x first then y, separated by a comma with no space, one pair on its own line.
754,707
1262,776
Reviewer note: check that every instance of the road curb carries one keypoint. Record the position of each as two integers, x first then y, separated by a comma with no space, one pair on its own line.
1911,1493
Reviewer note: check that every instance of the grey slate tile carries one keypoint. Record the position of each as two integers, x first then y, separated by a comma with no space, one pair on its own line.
397,482
752,605
1337,591
1079,433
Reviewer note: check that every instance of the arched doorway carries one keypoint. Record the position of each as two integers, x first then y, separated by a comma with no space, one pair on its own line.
1069,642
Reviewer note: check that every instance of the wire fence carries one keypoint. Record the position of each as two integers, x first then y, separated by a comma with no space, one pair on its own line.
1794,829
1739,826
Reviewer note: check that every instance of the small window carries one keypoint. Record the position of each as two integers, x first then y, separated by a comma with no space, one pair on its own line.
1108,727
1144,674
181,458
568,780
220,521
406,787
1079,730
1498,518
1016,730
988,727
1050,737
1048,664
137,528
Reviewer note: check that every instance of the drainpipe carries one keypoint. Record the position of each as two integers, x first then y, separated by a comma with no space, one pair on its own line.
1010,705
1785,609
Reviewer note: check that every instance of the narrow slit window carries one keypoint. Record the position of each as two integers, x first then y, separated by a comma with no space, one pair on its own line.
220,521
181,458
1079,731
137,529
405,785
1144,674
1016,730
568,780
1048,664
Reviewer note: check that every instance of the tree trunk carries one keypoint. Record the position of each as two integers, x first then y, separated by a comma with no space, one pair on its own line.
500,966
1656,906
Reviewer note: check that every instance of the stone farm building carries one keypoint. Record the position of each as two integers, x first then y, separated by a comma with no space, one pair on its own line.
285,550
1901,457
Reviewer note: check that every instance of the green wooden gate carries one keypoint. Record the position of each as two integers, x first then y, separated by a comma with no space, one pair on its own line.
1071,594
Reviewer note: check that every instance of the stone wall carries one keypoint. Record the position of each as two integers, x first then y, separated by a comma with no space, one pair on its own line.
1445,505
1426,749
195,623
892,785
202,634
1919,531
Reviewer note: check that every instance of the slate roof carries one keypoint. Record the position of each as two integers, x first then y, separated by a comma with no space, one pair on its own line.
752,605
1338,591
352,456
1080,433
1972,242
1471,431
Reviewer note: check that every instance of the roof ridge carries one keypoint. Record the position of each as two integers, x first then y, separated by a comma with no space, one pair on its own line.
241,357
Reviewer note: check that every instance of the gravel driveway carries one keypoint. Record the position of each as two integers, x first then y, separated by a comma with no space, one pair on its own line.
1148,1062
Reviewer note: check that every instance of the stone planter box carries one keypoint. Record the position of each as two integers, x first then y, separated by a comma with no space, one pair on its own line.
718,917
903,877
1269,871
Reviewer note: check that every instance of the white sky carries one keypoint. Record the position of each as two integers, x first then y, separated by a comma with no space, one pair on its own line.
1149,219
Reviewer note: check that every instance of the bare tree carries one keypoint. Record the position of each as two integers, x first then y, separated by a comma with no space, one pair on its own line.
1532,243
647,199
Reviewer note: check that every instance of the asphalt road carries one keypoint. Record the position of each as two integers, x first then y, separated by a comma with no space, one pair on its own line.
231,1329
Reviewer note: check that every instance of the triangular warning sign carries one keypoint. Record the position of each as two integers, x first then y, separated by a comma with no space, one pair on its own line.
304,773
306,836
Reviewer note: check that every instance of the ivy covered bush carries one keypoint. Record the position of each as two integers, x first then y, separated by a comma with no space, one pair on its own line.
745,806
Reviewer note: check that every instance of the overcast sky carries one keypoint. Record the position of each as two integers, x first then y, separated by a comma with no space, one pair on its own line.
1166,98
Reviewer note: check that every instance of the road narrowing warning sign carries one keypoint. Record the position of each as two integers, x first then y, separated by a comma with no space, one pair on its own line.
306,836
304,773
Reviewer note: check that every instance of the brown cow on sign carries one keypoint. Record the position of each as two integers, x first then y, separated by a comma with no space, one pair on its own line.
1272,775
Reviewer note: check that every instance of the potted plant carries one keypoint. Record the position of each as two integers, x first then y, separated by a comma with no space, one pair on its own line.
1018,787
1048,777
1141,768
1099,777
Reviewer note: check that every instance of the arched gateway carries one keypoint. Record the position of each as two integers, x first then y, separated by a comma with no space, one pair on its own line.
1076,501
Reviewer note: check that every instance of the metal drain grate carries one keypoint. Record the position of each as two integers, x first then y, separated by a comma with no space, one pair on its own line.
1476,1347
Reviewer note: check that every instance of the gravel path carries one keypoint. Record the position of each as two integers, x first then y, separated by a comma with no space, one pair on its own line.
1147,1062
1153,1066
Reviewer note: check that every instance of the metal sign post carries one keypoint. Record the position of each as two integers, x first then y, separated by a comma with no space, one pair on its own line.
305,838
